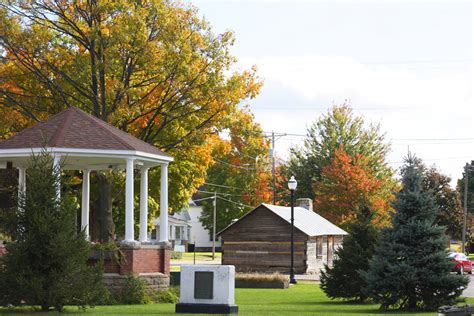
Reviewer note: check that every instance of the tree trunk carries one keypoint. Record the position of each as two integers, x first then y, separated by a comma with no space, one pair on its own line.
412,302
105,216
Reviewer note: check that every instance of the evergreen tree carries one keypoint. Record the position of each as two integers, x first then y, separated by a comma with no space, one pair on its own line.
410,268
340,280
45,263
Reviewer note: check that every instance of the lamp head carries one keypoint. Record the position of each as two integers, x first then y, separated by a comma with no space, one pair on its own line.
292,183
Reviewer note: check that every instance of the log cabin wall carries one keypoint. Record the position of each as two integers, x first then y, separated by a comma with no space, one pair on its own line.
260,242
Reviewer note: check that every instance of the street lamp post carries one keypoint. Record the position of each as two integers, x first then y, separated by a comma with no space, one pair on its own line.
292,186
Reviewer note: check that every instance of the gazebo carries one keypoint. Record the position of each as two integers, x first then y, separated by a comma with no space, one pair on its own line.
79,141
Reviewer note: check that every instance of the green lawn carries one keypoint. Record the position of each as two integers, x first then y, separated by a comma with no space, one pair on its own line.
306,299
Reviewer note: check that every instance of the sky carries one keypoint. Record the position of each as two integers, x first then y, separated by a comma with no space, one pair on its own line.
405,64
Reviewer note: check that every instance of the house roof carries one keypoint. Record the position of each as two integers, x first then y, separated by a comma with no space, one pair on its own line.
307,221
74,128
181,217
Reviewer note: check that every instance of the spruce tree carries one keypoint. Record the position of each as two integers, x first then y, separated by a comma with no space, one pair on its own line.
343,279
410,268
45,264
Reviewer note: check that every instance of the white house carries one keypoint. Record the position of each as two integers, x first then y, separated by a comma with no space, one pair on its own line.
200,237
186,231
179,229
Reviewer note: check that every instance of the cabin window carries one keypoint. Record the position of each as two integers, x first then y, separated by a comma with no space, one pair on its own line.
319,247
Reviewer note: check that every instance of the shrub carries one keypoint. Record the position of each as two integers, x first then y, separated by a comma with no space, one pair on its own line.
261,277
134,291
170,295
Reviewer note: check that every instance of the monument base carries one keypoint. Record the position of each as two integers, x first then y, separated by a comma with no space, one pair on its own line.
188,308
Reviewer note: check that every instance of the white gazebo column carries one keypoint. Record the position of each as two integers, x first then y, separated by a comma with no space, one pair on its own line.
164,204
21,184
57,169
85,202
129,222
143,205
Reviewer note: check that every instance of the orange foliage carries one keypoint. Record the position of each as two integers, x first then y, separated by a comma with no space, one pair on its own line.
346,184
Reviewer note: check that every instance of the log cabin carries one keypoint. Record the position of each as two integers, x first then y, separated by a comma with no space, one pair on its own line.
260,240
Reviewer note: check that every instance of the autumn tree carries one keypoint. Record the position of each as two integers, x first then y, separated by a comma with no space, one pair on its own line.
363,143
241,174
152,68
346,184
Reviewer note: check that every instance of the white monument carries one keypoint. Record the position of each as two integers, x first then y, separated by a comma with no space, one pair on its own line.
208,289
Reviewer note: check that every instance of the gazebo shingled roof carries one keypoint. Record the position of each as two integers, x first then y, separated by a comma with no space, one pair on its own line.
79,141
73,128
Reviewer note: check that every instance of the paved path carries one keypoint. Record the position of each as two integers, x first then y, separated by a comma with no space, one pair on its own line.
469,292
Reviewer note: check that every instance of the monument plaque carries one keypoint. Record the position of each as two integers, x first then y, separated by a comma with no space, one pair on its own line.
203,285
207,289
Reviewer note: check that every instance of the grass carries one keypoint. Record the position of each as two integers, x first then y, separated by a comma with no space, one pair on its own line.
301,299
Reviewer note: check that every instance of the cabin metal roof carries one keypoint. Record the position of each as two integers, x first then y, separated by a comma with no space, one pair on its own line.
307,221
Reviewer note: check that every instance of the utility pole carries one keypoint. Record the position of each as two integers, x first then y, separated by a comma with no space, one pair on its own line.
214,227
273,169
464,227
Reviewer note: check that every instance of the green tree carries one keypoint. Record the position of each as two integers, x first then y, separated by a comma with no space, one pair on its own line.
46,261
343,279
241,172
152,68
410,268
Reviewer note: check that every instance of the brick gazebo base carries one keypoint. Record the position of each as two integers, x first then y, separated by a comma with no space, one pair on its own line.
149,262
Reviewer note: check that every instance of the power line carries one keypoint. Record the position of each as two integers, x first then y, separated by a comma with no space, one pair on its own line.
391,139
433,159
413,62
236,166
209,192
237,203
223,186
230,194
